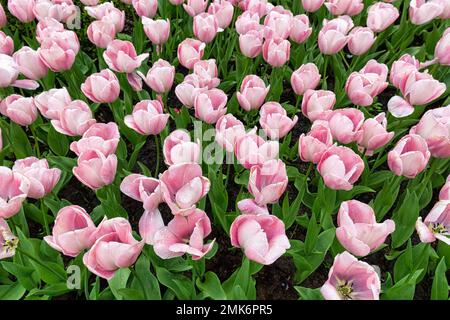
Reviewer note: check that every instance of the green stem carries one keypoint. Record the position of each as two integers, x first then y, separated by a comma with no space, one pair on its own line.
36,143
86,284
44,216
157,155
324,72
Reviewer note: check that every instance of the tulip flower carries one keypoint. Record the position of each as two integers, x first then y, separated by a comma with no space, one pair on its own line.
300,30
145,8
101,87
444,194
262,237
107,12
160,76
101,33
3,19
250,150
223,10
340,168
58,52
143,189
148,117
183,186
30,64
73,231
120,56
278,25
188,90
210,105
274,120
13,191
252,93
350,279
158,31
381,16
89,2
249,206
19,109
436,225
409,156
247,22
113,249
228,129
422,11
317,104
251,43
95,170
445,9
63,11
189,52
304,78
401,69
51,103
103,137
22,9
195,7
6,44
8,241
178,148
442,50
207,73
74,119
205,27
342,7
333,35
420,88
276,51
373,134
312,5
46,27
312,146
10,71
399,107
360,39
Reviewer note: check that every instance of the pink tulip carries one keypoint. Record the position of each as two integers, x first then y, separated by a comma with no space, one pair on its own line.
59,50
63,11
252,93
149,224
75,119
30,64
101,87
304,78
381,15
6,44
95,170
274,120
317,104
206,26
184,234
250,150
300,30
178,148
210,105
22,9
278,25
223,10
333,35
436,225
73,231
312,5
89,2
51,103
442,50
276,51
121,56
342,7
340,168
160,76
358,231
176,2
10,71
315,143
148,117
145,8
113,249
103,137
350,279
107,12
19,109
101,33
13,191
360,40
262,237
207,73
3,19
42,179
251,43
189,52
228,129
401,69
143,189
444,194
195,7
247,22
345,124
183,186
268,181
421,88
46,27
422,11
189,89
409,156
445,9
260,7
434,127
8,240
373,135
158,31
249,206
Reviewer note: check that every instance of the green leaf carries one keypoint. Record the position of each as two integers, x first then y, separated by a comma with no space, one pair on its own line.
405,217
57,142
403,289
148,281
212,286
12,292
308,293
181,286
130,294
19,141
439,290
119,281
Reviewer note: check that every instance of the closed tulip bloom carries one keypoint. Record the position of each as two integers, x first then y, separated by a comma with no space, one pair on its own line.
3,19
183,186
316,104
62,11
10,71
158,31
442,50
358,230
195,7
75,119
143,189
148,117
30,64
345,124
304,78
421,88
246,22
207,73
274,120
350,279
409,156
312,145
103,137
210,105
333,35
101,33
262,237
341,7
73,231
445,9
95,170
300,30
312,5
444,194
6,44
223,10
22,9
340,168
145,8
278,25
114,248
252,93
51,103
249,206
206,26
373,134
228,129
360,40
107,12
434,127
13,191
401,69
190,51
8,241
150,223
160,76
58,52
121,56
189,89
422,11
436,225
381,16
101,87
178,148
276,51
251,43
260,7
268,181
19,109
45,27
250,150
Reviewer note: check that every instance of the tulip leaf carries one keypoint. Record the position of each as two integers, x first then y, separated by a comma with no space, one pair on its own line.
149,283
12,292
19,141
308,293
439,290
405,217
119,281
212,287
57,142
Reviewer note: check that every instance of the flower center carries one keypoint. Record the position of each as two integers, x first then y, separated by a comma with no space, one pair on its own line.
345,289
438,228
10,244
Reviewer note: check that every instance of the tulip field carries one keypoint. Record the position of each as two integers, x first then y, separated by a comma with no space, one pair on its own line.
224,149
